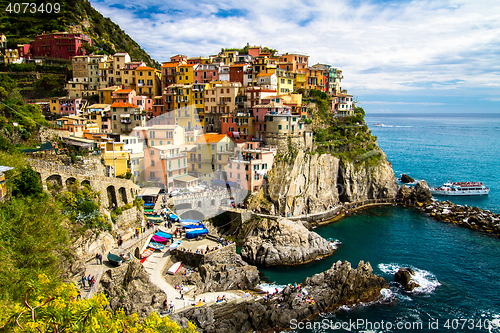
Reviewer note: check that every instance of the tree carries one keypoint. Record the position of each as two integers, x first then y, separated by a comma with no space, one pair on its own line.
51,307
27,183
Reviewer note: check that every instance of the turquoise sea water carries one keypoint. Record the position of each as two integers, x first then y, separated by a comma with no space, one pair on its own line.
457,268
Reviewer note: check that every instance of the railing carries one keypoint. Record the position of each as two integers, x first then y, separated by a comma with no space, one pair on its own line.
167,156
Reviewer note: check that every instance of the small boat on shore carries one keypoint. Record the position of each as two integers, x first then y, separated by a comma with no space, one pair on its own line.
175,245
174,268
461,189
156,246
147,252
115,259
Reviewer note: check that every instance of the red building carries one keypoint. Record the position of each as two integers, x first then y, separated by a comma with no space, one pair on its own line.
205,73
60,45
237,73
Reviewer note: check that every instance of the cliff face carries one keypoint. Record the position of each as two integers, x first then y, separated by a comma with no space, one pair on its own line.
283,242
313,183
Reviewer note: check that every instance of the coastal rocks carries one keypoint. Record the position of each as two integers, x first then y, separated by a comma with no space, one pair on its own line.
314,183
229,273
90,243
468,217
420,193
404,276
406,179
283,242
128,287
340,285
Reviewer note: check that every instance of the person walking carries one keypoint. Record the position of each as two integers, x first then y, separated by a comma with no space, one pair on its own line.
84,279
97,258
100,258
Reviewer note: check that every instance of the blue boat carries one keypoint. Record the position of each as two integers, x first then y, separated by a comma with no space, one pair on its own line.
173,217
196,233
156,246
163,234
194,226
149,204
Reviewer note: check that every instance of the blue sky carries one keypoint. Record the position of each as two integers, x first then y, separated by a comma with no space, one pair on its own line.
396,56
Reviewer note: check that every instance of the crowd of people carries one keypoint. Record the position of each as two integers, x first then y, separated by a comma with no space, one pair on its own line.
88,281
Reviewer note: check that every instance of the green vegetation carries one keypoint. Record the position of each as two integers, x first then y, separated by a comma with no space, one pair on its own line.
81,206
50,306
244,50
106,35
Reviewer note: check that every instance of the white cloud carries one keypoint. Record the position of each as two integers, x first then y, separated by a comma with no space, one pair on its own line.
401,46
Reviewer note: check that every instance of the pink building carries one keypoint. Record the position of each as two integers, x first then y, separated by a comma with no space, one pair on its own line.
123,96
69,106
61,45
250,166
166,166
205,73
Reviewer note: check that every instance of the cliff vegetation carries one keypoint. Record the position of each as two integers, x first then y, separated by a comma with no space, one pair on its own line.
77,16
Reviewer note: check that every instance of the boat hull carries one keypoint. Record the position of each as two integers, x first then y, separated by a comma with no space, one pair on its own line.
460,193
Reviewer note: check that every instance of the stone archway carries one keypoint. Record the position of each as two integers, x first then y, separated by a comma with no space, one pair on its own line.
86,183
123,195
199,204
183,206
110,190
54,181
70,181
193,215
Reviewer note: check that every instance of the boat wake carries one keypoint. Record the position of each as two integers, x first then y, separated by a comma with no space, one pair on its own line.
428,282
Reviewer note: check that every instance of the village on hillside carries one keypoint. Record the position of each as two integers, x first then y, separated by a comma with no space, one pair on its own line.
218,119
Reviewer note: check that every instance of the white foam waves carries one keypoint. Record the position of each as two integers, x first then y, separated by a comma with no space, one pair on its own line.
270,287
427,281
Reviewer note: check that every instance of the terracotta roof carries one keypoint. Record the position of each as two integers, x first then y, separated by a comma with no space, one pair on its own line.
123,91
123,105
145,68
188,65
210,138
170,65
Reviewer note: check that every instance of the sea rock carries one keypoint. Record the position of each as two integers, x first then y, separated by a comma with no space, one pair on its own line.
283,242
340,285
404,276
406,179
422,192
313,183
129,287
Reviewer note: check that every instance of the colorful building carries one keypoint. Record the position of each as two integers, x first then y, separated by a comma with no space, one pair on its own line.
220,99
66,105
60,45
3,184
148,81
126,116
185,74
211,156
250,165
293,62
205,73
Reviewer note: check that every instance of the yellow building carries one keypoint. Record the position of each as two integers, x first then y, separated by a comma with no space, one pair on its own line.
186,74
211,156
189,112
54,105
115,158
286,81
148,81
105,94
11,56
300,80
3,184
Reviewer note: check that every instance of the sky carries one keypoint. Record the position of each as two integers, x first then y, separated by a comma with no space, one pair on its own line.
396,56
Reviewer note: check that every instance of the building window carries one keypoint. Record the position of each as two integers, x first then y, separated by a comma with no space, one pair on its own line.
152,163
152,152
152,175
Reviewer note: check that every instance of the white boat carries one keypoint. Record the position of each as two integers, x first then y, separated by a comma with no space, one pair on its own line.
174,268
461,189
175,245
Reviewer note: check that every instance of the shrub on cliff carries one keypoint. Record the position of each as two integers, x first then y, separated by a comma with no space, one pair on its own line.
48,306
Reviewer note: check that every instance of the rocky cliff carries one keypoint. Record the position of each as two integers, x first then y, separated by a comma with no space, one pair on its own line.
283,242
313,183
128,287
338,286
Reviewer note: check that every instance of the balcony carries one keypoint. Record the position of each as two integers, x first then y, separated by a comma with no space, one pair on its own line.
167,156
126,121
172,168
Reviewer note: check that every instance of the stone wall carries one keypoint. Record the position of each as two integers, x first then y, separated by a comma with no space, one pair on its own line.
221,255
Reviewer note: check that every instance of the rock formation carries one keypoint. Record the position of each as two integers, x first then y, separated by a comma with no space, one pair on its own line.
314,183
404,276
283,242
406,179
340,285
420,193
129,287
225,274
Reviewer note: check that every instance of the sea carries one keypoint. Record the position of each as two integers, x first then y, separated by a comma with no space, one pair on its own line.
458,269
